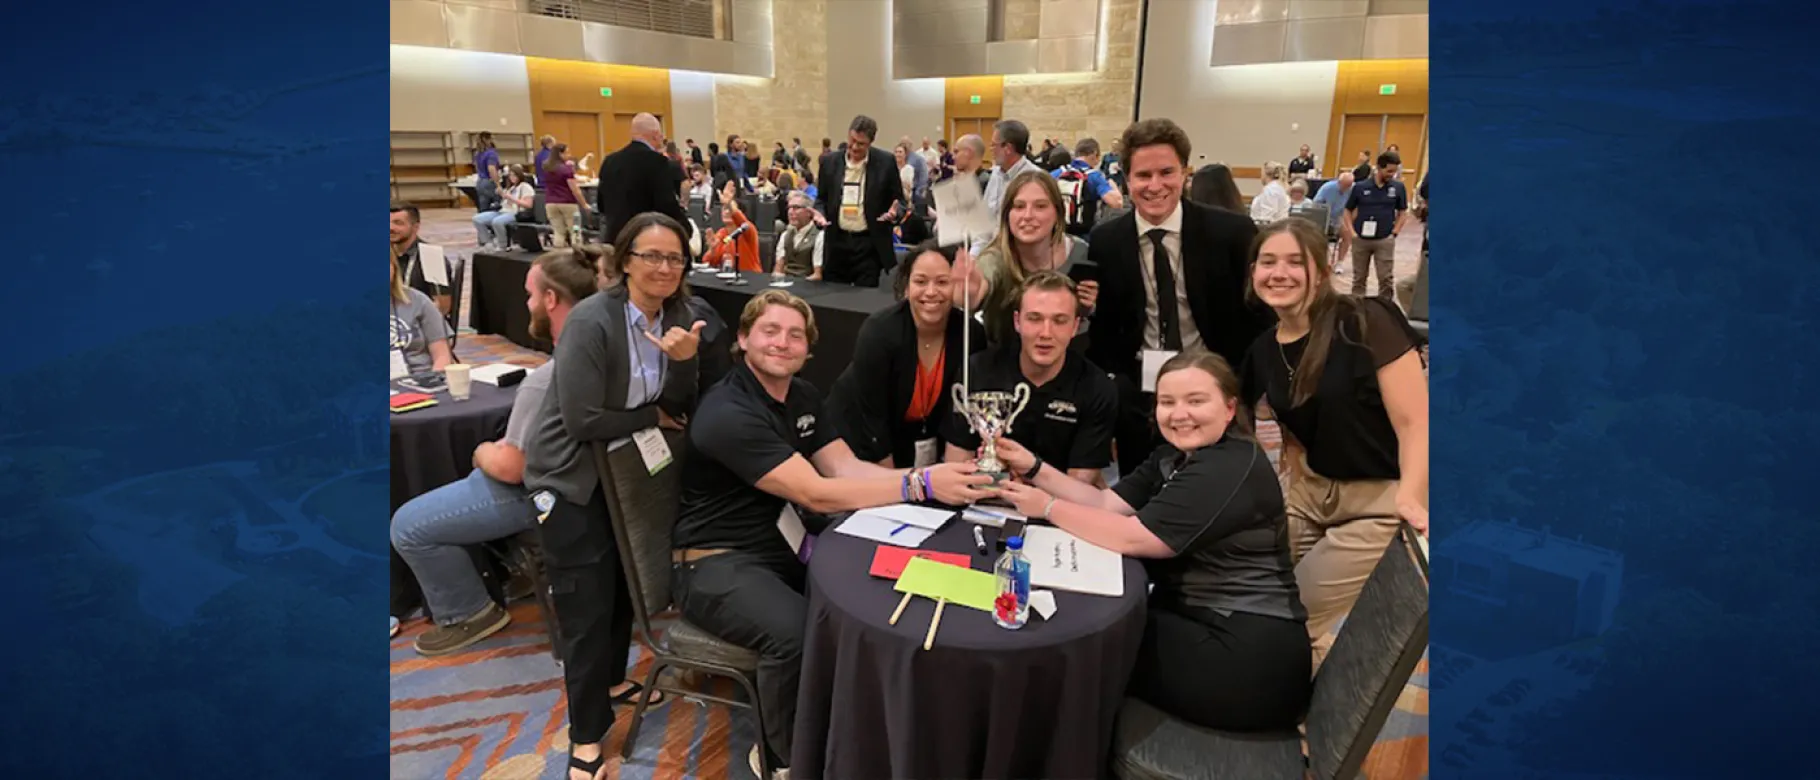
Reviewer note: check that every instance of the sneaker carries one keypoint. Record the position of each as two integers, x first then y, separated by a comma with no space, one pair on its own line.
752,761
443,640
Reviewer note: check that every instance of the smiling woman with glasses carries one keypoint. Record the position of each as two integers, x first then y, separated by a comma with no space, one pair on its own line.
626,363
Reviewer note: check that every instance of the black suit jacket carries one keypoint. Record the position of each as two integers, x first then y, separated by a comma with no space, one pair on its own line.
695,155
882,189
635,180
1216,254
868,401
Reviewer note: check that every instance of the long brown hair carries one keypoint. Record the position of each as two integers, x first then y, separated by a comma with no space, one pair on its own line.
1004,243
1331,314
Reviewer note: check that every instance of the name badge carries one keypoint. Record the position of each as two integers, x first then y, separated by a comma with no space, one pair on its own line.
1368,229
653,449
850,202
925,453
1153,363
791,526
545,501
399,369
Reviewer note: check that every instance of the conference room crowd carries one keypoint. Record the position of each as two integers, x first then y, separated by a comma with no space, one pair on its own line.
1152,314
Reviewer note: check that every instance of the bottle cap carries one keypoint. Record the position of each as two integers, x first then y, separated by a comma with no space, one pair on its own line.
1015,543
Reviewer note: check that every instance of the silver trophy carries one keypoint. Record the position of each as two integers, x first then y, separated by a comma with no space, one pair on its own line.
990,414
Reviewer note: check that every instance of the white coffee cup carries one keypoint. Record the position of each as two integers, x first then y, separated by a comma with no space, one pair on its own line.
460,382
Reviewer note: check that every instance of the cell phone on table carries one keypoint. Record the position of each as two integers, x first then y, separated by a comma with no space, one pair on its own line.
1013,527
1084,271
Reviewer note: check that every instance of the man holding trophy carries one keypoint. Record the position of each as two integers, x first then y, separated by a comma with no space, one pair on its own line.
1059,406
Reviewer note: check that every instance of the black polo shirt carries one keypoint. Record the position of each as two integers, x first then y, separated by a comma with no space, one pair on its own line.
1301,165
739,434
1379,202
1067,422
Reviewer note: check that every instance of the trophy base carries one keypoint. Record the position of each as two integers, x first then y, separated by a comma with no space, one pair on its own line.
995,470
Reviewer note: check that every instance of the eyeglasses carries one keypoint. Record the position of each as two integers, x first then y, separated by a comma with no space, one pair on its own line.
660,258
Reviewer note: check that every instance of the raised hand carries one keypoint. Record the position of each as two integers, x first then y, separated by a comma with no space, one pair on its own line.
679,344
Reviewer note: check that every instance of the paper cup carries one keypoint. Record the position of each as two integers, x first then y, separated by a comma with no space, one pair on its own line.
460,383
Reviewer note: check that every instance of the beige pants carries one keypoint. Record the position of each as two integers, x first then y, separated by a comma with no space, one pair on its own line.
563,217
1337,532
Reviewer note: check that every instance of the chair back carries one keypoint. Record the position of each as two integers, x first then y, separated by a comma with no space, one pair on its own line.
642,508
1378,648
458,269
537,210
1315,213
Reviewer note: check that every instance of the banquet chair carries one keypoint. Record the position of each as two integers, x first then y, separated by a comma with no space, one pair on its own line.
1376,651
458,270
643,510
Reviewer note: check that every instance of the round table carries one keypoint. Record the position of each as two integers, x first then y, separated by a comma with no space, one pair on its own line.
985,702
435,446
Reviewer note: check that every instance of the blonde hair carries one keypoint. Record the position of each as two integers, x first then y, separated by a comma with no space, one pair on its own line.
756,307
1000,259
398,295
1273,171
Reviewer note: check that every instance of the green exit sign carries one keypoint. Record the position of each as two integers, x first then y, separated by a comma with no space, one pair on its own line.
608,91
1387,89
974,99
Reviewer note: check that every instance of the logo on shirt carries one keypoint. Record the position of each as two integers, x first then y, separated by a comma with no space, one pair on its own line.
1062,411
805,425
401,333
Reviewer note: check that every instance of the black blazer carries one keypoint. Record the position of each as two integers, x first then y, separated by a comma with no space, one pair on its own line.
883,188
695,155
1216,253
643,179
869,399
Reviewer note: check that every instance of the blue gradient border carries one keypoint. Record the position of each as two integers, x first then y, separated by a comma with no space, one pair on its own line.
1625,289
193,491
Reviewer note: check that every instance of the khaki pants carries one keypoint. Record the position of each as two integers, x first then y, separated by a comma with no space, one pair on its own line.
1379,252
563,217
1337,532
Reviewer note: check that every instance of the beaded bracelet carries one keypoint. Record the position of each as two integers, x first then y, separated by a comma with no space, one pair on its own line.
928,484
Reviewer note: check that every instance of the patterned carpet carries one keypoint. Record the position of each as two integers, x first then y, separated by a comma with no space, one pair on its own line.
496,711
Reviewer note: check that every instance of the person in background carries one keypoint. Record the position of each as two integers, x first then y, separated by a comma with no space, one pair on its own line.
1109,165
719,165
490,503
799,246
642,179
699,186
780,157
1363,170
543,153
1303,164
694,152
733,242
860,196
944,161
407,223
1345,381
762,438
1298,197
1030,239
1172,278
626,363
1375,212
919,187
1068,420
827,151
900,155
1213,186
754,165
516,195
1010,150
1333,194
799,157
563,200
1272,202
1085,188
486,168
1058,158
419,331
969,154
1225,645
889,403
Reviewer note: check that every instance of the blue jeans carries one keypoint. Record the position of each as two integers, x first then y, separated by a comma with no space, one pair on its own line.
429,530
489,223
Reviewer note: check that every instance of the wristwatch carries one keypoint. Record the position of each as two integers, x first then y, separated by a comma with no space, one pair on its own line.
1035,466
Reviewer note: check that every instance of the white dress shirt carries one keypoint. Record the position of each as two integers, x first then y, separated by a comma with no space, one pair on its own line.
1153,331
1271,204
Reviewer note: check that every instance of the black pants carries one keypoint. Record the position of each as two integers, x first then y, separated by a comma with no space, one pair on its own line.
755,601
1237,672
849,258
593,611
1135,426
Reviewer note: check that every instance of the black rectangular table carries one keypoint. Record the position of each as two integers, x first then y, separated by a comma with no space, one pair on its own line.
499,307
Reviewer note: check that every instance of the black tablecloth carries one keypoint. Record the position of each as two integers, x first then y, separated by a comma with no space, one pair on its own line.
435,446
499,297
986,702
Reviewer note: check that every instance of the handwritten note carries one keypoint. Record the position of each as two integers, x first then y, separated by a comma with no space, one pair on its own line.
960,211
1063,561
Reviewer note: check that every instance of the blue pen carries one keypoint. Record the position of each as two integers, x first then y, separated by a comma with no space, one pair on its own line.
899,528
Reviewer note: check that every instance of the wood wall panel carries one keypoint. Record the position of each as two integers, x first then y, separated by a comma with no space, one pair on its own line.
959,104
1355,91
571,87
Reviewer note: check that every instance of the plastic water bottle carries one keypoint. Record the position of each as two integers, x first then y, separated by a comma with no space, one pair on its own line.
575,234
1012,607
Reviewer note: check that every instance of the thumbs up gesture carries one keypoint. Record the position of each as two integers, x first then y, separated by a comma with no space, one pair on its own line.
680,344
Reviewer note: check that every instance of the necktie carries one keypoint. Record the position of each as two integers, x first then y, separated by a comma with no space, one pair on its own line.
1166,309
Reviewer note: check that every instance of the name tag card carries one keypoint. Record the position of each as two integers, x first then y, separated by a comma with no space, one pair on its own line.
399,369
653,449
925,453
1368,229
850,202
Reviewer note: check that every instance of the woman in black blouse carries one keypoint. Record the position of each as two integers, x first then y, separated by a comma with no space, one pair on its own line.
1225,646
1345,380
889,402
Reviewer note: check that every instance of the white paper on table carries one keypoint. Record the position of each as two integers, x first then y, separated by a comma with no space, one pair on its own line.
880,529
991,515
491,372
1043,601
922,517
791,526
960,211
435,268
1063,561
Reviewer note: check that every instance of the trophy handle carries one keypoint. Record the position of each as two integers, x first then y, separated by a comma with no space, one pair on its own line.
960,398
1020,396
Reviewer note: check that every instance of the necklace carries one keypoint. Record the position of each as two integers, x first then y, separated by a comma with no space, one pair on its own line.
1285,355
